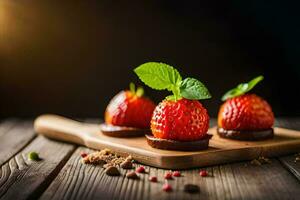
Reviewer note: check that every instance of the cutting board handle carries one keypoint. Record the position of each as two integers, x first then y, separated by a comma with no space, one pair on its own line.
60,128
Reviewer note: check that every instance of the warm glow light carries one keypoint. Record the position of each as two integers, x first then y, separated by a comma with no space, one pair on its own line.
4,21
11,24
2,16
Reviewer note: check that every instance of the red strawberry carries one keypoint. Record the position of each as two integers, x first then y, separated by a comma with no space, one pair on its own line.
180,116
245,112
183,120
129,109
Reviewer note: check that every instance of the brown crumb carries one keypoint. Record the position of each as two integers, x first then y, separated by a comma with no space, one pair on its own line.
129,158
126,164
191,188
112,171
107,165
106,158
261,160
132,175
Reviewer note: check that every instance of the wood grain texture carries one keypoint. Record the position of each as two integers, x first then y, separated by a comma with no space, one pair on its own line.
21,178
231,181
290,163
6,125
221,150
14,138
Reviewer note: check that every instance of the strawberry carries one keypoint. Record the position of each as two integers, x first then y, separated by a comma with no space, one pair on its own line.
245,112
183,120
180,116
130,108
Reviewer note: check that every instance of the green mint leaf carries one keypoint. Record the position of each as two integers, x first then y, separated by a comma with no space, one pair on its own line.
232,93
191,88
253,82
242,88
160,76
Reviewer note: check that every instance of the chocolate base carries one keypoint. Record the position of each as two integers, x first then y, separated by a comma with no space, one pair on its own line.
178,145
246,135
122,131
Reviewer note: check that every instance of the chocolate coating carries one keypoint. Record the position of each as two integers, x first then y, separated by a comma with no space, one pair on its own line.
178,145
246,135
120,131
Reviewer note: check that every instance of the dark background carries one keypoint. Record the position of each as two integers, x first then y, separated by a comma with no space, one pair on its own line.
71,57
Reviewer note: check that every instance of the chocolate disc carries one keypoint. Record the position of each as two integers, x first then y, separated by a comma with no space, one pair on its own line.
178,145
246,135
122,131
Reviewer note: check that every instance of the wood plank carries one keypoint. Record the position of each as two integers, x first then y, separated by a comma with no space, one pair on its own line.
221,150
21,178
6,125
231,181
14,139
290,163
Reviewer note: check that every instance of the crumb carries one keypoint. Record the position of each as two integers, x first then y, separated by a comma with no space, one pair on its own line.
203,173
153,179
167,187
191,188
106,158
112,171
168,175
176,174
132,175
140,169
126,164
261,160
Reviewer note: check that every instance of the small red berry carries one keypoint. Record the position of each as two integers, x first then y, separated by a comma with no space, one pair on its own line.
153,178
203,173
167,187
168,175
176,174
83,155
140,169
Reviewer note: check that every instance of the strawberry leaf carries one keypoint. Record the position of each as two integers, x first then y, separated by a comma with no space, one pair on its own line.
132,88
242,88
139,91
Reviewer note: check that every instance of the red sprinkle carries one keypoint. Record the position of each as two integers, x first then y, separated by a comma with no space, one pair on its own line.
168,175
167,187
140,169
176,174
153,178
203,173
83,154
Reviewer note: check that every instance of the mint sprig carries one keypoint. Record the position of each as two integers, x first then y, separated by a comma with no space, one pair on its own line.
242,88
161,76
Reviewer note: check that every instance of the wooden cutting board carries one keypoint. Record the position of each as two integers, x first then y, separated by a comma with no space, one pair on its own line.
220,151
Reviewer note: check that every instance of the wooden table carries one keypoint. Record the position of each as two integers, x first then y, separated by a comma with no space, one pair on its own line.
61,175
